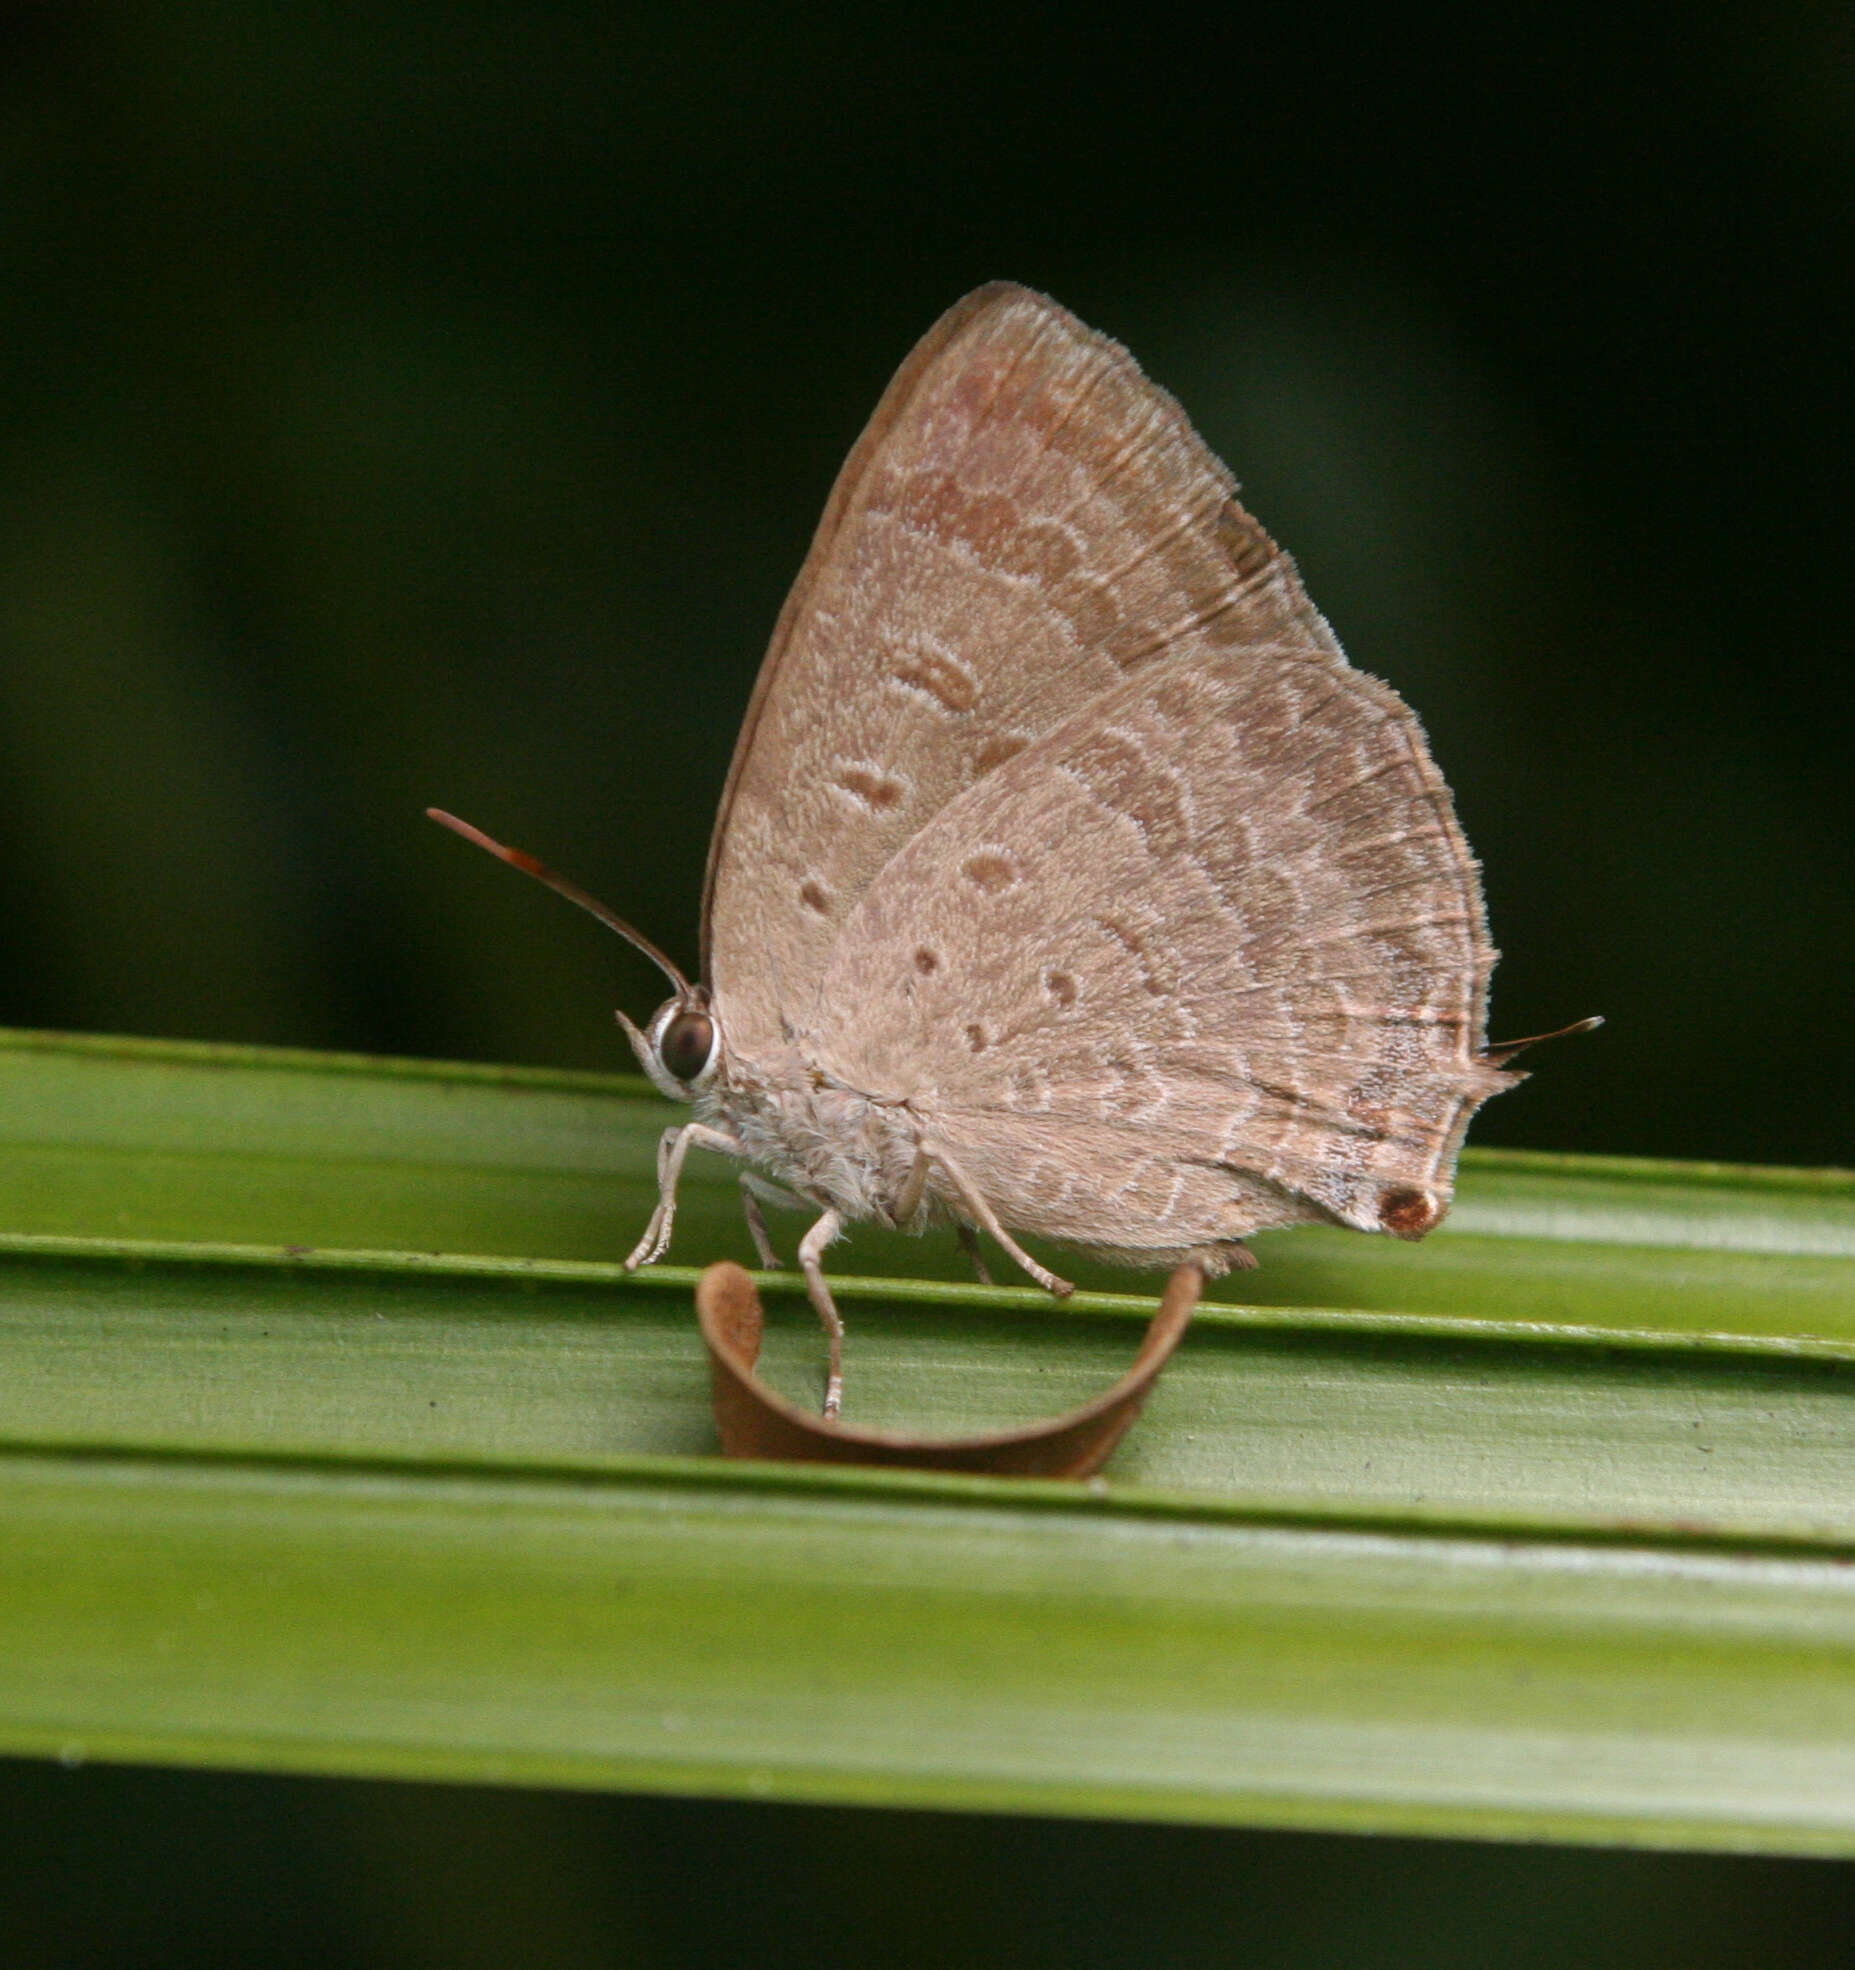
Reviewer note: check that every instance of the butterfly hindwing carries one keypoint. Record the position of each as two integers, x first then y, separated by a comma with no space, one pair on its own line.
1209,957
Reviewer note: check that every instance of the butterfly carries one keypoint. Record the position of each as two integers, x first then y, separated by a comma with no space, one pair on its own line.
1068,880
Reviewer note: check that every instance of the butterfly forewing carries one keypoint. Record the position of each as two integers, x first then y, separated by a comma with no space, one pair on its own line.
1026,522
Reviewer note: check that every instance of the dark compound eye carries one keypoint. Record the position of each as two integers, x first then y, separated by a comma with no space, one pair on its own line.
686,1042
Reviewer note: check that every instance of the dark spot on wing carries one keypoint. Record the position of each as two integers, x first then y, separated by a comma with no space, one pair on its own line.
875,790
996,751
1406,1213
942,678
991,870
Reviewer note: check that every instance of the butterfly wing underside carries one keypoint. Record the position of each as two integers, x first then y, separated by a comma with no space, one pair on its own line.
1208,958
1059,813
1024,523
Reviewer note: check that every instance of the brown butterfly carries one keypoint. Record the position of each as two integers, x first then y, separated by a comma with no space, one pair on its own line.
1068,880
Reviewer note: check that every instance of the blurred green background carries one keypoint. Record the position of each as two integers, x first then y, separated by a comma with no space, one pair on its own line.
431,404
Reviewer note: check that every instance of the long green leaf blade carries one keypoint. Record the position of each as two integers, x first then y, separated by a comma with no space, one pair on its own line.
332,1437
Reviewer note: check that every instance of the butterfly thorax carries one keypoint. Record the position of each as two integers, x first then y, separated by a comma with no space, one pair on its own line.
836,1145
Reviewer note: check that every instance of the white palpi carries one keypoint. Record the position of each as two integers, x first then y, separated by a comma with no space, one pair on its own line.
1068,880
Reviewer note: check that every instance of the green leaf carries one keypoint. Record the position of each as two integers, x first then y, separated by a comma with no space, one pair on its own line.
333,1437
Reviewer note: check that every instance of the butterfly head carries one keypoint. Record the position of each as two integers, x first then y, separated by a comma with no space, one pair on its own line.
681,1047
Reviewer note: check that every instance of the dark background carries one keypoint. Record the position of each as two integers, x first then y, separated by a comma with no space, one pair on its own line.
432,405
415,404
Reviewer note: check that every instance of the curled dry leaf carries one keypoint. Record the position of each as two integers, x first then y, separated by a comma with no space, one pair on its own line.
754,1421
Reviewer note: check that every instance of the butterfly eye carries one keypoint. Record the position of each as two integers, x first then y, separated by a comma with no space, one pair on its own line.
686,1042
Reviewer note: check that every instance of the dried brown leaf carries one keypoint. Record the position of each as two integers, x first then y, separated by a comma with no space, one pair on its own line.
756,1421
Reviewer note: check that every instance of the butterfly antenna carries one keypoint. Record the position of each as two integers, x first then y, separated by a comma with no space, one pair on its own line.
519,859
1499,1056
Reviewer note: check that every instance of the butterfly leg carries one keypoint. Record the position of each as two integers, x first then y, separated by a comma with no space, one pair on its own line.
666,1145
969,1244
988,1221
811,1256
756,1223
671,1149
